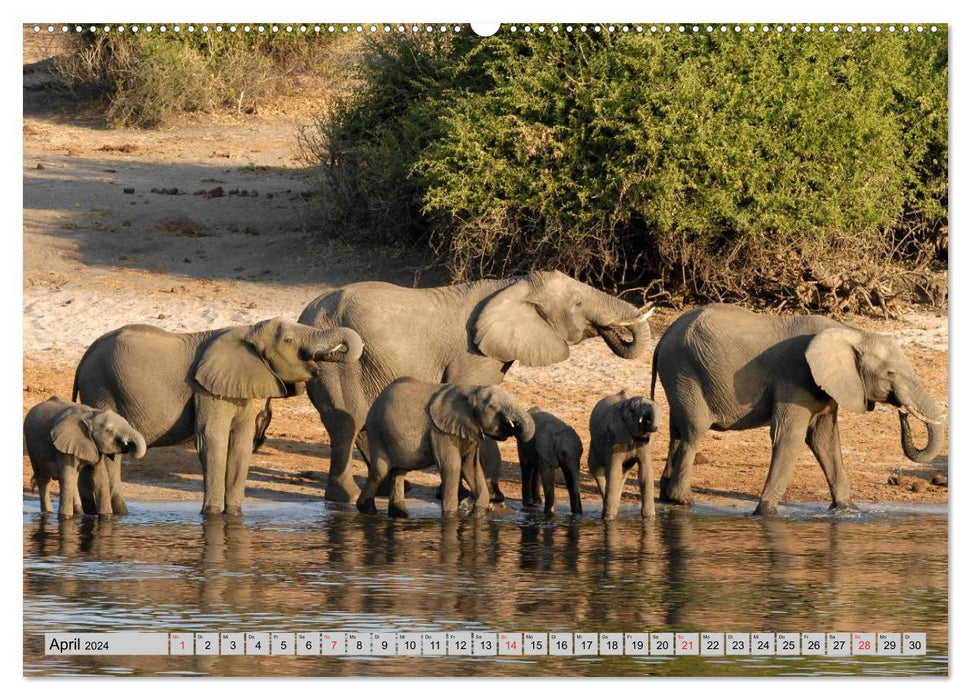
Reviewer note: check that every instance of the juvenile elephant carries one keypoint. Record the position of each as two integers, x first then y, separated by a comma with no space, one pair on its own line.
63,438
621,427
727,368
554,444
464,334
208,385
415,425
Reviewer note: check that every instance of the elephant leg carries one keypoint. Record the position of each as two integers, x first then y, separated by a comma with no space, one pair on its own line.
601,480
571,476
397,507
823,439
789,426
113,467
614,487
377,474
450,467
263,419
677,489
492,467
526,475
44,494
645,480
238,459
674,441
343,429
212,444
549,487
101,487
475,476
68,478
86,490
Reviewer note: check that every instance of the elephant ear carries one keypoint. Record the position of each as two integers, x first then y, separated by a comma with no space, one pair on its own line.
232,368
832,357
511,327
72,436
452,413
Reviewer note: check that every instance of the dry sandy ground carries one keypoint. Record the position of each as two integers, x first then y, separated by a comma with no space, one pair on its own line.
107,242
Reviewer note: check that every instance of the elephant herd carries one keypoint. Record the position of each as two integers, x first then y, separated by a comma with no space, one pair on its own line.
409,377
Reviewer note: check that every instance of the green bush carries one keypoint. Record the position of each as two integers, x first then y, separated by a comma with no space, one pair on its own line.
147,78
783,166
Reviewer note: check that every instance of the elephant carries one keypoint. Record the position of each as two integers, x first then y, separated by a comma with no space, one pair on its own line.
621,428
208,385
415,425
726,368
63,438
464,334
554,444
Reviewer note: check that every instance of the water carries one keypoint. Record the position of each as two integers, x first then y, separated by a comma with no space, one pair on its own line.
307,566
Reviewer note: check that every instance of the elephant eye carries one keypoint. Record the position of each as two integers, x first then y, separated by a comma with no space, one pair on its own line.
288,339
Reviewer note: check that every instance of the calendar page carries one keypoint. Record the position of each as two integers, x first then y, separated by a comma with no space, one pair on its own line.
612,349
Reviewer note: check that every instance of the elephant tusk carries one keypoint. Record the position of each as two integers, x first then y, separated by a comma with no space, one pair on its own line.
322,354
643,314
919,416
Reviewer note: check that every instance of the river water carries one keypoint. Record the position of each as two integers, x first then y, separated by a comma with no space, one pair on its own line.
309,566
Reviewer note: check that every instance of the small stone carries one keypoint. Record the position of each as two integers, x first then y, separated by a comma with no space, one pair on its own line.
186,260
893,480
130,190
40,166
161,317
918,486
939,480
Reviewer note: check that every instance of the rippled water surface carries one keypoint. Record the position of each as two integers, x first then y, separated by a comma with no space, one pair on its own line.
299,567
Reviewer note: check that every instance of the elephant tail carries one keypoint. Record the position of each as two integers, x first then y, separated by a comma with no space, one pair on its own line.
74,389
654,369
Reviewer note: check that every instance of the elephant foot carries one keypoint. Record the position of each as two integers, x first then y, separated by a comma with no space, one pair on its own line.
341,492
211,510
233,511
766,509
396,511
367,507
119,509
647,513
497,496
844,507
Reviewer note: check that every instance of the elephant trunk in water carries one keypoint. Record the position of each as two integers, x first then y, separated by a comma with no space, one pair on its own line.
623,327
919,403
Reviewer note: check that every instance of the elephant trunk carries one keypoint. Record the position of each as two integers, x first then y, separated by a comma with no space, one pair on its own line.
623,327
525,428
137,446
342,344
920,404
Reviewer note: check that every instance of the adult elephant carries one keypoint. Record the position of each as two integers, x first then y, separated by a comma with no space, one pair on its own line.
173,386
727,368
464,334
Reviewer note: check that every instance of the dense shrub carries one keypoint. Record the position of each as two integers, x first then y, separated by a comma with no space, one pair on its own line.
797,167
147,78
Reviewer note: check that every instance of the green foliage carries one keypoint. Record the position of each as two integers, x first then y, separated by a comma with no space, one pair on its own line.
147,78
711,166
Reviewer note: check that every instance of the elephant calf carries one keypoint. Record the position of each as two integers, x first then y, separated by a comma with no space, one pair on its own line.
63,438
415,425
554,444
620,438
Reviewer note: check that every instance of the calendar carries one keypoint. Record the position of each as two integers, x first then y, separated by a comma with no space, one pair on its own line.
487,644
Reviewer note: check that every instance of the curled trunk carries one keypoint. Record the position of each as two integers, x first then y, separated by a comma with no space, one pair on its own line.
627,342
339,345
525,425
138,442
935,441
